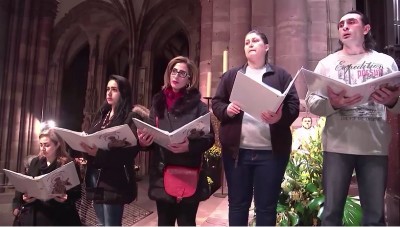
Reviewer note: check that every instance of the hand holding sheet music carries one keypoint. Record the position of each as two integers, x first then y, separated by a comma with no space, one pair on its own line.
255,97
165,138
118,136
318,84
47,186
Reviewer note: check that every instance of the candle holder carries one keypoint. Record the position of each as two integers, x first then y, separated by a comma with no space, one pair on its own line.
208,101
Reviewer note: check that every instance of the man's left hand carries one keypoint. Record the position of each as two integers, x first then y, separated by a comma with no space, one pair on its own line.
386,97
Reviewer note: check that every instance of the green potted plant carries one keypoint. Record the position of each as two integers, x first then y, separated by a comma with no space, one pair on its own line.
301,199
213,166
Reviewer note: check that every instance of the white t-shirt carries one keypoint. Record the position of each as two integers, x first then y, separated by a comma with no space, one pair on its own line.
255,134
363,129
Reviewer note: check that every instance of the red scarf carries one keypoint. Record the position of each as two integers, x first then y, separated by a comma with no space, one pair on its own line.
171,97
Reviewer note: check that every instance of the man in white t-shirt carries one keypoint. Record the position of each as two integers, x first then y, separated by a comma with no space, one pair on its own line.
355,138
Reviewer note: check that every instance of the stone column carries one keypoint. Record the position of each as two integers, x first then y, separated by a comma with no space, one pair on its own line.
240,24
318,32
4,33
335,10
263,19
220,38
347,5
12,91
4,20
23,82
46,16
94,86
205,44
291,38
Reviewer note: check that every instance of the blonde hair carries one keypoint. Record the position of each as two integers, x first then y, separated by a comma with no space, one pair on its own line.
62,155
193,72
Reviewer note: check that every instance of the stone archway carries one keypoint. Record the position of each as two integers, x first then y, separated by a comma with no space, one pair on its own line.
79,29
73,91
162,22
173,44
62,54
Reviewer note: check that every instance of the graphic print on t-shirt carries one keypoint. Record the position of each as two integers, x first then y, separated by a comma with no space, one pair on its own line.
355,71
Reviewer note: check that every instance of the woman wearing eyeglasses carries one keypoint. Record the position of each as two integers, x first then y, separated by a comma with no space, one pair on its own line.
177,104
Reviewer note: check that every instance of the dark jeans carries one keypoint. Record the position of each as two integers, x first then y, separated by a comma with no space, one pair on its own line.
371,172
183,213
109,214
258,171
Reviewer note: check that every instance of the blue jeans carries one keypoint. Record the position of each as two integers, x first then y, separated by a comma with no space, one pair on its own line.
259,172
371,172
109,214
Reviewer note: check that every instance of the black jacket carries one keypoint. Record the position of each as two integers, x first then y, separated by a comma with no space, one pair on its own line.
230,129
186,109
49,212
110,176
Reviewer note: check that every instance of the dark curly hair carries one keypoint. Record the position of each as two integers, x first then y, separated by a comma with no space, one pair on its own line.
369,42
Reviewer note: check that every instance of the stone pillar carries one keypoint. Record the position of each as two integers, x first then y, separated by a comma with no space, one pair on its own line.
291,35
333,16
94,82
4,22
220,39
335,10
12,91
240,24
263,19
23,87
318,32
47,14
205,44
347,5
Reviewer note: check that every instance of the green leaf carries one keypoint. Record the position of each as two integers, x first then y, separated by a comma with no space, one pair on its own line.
320,212
352,213
284,221
281,208
294,218
299,208
316,203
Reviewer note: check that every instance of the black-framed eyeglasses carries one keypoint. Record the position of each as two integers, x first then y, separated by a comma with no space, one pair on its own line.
180,73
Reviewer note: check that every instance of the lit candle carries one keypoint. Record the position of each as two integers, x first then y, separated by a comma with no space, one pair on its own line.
208,93
225,61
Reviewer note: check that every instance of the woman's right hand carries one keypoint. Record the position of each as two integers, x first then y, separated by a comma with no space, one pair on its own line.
27,198
144,137
233,109
16,212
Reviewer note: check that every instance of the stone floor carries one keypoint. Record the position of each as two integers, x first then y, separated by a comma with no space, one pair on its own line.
213,212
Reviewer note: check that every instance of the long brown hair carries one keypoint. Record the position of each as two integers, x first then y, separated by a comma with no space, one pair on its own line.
62,156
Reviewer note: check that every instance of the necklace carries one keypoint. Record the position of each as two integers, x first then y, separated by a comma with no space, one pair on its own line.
107,120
